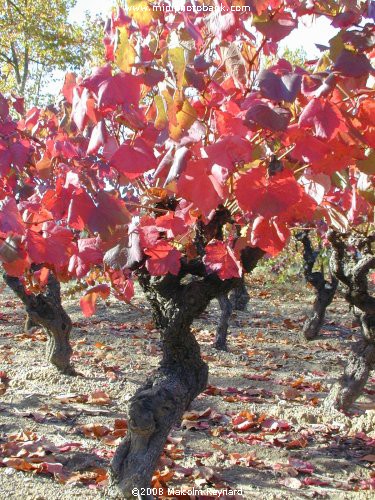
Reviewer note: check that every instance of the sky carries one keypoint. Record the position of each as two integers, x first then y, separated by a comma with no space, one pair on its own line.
319,31
92,6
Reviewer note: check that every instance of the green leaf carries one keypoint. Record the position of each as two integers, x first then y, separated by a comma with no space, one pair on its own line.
336,46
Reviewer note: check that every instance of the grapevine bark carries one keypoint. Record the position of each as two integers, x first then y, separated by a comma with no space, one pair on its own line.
182,374
29,324
353,275
45,309
324,290
222,328
237,300
239,296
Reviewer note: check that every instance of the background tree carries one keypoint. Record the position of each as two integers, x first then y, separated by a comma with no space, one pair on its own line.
297,57
36,39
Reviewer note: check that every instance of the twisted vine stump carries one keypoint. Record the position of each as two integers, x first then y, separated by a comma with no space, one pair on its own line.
29,324
226,303
239,296
222,328
352,273
237,300
157,406
45,310
324,290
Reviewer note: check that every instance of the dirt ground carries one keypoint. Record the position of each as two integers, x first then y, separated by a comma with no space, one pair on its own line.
260,427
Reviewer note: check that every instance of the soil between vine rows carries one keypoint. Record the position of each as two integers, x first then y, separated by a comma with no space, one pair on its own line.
270,371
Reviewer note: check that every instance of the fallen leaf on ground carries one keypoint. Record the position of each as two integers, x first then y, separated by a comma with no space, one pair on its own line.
99,398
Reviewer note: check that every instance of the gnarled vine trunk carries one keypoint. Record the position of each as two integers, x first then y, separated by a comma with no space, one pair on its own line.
236,300
45,310
222,328
239,296
29,324
181,375
359,365
323,298
324,290
353,274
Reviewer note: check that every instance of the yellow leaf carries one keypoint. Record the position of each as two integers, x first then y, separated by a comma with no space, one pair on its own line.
141,12
181,116
323,63
124,50
161,120
177,59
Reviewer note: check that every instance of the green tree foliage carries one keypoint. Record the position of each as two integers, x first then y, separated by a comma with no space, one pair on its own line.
36,39
297,57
